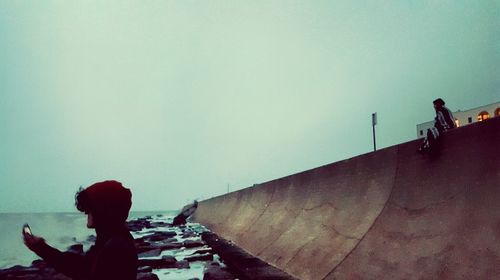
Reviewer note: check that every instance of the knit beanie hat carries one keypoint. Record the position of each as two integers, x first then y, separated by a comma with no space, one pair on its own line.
108,201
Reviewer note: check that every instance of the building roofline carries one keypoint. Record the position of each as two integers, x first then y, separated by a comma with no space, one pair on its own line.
459,111
477,107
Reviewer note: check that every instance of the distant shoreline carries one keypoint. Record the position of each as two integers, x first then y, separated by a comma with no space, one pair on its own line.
77,212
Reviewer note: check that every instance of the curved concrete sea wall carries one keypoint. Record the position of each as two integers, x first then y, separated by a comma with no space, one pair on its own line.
390,214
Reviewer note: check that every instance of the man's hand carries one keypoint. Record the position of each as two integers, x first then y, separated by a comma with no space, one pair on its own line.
32,241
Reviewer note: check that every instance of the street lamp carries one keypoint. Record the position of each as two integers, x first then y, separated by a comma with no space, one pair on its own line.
374,122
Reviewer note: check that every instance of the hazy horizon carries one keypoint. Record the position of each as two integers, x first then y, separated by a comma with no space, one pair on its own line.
76,211
183,100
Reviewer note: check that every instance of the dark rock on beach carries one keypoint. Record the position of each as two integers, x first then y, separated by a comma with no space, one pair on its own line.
166,246
194,243
185,213
38,271
200,257
182,264
215,272
76,248
137,225
203,251
91,238
164,262
143,269
147,276
151,253
158,224
160,236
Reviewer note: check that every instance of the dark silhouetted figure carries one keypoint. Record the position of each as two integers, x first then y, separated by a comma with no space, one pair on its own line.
114,255
443,121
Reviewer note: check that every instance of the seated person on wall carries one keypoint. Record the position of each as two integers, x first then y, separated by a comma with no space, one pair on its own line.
114,255
443,121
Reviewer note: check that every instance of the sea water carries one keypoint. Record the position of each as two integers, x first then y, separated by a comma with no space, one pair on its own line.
60,230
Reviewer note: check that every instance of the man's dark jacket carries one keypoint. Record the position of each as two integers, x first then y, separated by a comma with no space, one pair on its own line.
113,256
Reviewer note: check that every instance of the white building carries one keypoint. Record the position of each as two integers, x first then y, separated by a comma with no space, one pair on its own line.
465,117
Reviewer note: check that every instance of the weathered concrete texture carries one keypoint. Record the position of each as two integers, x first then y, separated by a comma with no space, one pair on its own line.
391,214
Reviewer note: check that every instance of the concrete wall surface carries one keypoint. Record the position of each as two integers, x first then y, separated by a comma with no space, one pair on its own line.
390,214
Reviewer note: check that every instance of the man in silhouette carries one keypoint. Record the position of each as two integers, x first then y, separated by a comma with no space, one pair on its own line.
443,121
113,256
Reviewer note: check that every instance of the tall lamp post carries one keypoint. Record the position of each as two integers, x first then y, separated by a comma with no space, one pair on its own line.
374,122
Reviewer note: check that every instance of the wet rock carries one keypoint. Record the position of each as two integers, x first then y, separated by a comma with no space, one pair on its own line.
164,262
151,253
159,236
189,233
182,264
26,277
142,269
170,240
194,243
203,251
40,272
134,228
147,276
202,257
139,224
19,270
58,276
185,213
148,241
169,258
159,245
141,242
76,248
145,248
173,245
159,224
179,220
215,272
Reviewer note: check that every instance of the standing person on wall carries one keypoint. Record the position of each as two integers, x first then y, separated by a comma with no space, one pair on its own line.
114,256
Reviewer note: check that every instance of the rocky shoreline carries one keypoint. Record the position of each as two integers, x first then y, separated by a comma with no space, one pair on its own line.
166,252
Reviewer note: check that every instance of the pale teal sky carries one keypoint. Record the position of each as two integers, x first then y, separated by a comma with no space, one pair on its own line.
178,99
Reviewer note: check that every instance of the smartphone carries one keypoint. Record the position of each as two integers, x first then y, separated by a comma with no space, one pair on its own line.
27,229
